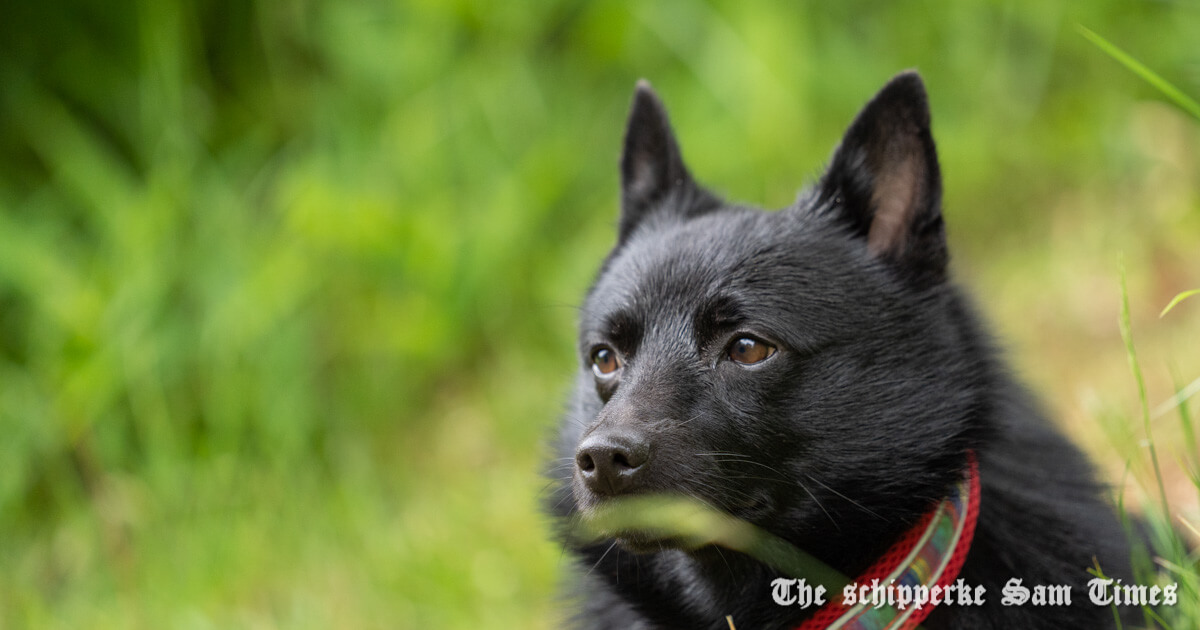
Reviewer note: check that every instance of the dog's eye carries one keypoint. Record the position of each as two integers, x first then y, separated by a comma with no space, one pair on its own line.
604,362
748,351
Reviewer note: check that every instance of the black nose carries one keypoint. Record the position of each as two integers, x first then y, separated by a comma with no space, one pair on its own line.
610,462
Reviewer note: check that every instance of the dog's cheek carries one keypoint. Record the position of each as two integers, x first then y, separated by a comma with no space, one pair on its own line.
741,395
761,407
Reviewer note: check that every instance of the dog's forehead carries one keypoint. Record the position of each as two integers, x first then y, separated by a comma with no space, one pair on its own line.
693,256
681,264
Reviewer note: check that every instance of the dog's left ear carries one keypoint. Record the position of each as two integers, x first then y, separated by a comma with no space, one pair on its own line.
651,162
884,182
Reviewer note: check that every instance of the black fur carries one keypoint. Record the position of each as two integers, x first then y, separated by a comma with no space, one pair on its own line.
882,380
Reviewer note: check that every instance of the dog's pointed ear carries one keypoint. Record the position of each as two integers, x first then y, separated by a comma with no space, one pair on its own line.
651,163
885,185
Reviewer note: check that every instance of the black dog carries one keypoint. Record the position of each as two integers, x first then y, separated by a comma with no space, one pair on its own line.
812,371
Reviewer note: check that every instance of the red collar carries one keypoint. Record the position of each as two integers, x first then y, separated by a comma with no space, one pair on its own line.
929,554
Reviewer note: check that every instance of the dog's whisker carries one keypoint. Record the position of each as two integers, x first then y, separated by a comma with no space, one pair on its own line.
718,490
601,559
782,477
552,485
565,497
617,566
852,501
819,504
723,559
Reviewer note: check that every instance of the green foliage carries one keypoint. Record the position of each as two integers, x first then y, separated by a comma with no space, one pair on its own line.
286,288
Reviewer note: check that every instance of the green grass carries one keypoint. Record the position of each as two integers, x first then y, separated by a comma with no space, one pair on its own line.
1171,557
287,289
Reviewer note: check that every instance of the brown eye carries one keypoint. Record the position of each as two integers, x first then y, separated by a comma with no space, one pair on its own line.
748,351
604,362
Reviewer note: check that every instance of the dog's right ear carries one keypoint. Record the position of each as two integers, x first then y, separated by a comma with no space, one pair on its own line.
651,163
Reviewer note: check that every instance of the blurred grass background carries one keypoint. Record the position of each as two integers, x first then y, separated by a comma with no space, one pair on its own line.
287,288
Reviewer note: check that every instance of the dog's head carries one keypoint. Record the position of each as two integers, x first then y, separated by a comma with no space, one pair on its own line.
808,369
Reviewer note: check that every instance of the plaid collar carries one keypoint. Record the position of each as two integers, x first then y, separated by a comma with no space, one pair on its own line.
929,554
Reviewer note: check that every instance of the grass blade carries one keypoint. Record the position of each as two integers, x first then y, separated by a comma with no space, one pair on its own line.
692,524
1183,101
1177,299
1135,366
